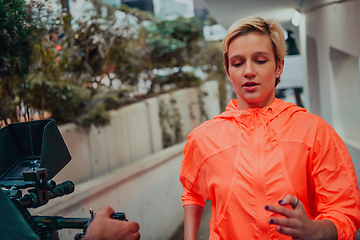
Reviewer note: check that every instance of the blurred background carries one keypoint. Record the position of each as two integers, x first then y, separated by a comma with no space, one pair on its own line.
126,82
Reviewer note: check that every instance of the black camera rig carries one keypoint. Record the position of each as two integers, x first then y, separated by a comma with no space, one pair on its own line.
31,154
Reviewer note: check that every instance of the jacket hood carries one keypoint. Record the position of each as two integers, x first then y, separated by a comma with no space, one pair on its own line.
275,109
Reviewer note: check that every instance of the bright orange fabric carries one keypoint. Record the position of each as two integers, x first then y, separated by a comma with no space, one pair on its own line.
243,160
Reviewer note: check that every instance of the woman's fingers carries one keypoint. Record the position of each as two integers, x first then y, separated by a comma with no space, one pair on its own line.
289,213
296,223
285,222
291,200
292,222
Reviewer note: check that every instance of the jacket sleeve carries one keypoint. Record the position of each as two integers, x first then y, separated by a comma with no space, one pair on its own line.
337,193
189,170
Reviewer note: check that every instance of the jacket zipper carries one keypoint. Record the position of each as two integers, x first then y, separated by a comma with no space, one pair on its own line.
260,187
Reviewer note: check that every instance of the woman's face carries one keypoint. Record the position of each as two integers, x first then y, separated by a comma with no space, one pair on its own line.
252,70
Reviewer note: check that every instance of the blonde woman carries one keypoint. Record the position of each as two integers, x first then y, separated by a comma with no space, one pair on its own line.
270,169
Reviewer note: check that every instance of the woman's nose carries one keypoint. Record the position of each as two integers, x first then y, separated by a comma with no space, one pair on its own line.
249,70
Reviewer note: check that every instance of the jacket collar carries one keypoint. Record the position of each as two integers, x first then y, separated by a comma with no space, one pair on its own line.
276,108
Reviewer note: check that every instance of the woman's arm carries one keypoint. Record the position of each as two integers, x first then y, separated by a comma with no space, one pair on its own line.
192,219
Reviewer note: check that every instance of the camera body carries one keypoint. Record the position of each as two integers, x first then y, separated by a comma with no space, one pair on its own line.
31,154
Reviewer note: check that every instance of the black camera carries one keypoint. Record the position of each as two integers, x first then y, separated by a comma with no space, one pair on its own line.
31,154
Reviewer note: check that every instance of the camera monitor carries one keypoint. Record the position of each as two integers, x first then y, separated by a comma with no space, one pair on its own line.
29,146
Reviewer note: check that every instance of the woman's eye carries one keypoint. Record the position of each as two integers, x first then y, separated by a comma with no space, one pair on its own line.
237,64
261,61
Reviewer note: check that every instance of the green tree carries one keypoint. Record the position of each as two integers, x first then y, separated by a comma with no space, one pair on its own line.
173,43
170,44
210,61
48,89
209,20
94,55
17,34
77,82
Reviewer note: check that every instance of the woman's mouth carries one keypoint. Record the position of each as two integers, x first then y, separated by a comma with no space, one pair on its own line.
250,86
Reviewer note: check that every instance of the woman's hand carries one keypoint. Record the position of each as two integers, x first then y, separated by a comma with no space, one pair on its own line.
297,223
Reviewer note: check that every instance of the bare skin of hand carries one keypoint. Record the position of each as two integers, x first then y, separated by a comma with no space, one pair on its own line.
296,222
102,227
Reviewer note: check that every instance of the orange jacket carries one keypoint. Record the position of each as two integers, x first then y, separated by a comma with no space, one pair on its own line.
243,160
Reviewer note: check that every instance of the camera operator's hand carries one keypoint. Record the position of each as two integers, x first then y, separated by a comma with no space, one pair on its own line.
102,227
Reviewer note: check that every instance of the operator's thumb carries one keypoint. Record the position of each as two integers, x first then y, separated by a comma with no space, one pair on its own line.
106,210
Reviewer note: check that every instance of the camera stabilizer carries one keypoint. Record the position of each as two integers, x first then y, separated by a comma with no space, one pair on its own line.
31,161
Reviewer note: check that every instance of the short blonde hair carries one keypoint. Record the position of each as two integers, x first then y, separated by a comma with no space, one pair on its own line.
256,24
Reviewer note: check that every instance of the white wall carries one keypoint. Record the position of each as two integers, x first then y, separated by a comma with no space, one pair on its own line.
329,36
147,191
134,133
124,165
293,73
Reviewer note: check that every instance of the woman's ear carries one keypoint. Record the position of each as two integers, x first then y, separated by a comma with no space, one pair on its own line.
227,73
280,68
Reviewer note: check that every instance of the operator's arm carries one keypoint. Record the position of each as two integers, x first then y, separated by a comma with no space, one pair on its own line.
192,218
102,227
